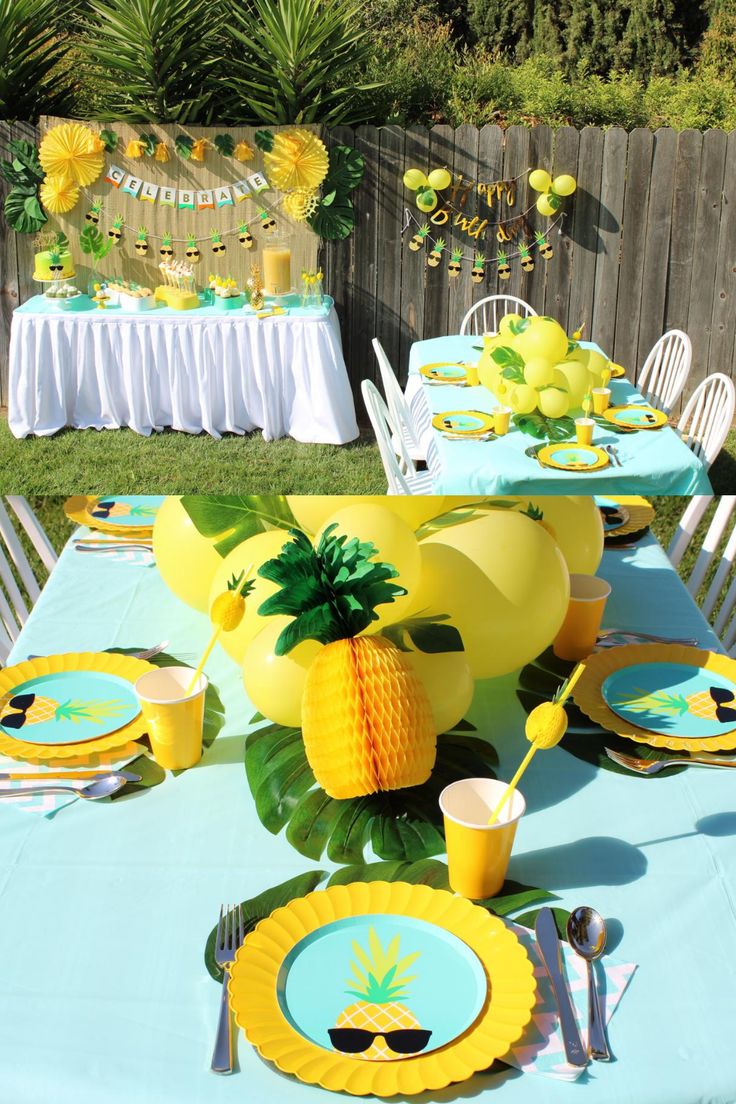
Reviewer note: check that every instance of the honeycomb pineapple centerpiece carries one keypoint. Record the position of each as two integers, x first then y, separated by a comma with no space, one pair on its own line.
366,718
378,1026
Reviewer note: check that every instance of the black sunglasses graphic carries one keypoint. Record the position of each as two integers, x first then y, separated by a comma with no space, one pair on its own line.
354,1040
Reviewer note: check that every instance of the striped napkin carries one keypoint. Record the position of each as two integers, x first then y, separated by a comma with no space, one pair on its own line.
46,804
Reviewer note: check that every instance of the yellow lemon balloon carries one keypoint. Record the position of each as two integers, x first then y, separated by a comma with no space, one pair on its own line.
538,372
548,205
540,180
186,560
543,338
449,684
427,200
575,523
564,185
553,402
275,684
523,399
255,550
414,179
311,511
573,376
595,362
504,584
395,544
439,179
508,320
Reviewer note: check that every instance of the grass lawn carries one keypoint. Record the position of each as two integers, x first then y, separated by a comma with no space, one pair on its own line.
119,461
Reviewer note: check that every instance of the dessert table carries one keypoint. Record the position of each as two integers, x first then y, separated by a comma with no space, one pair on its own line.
208,369
106,907
653,462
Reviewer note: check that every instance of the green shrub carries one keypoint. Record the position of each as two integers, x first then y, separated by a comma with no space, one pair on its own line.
416,76
34,79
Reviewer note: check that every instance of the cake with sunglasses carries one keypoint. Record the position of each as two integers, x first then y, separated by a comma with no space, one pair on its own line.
52,260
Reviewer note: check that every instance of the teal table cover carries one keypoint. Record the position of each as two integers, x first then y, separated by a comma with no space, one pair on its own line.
292,305
653,462
105,908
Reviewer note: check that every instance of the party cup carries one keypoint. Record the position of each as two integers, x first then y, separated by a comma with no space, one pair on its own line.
478,853
579,633
601,399
175,717
501,420
584,431
471,375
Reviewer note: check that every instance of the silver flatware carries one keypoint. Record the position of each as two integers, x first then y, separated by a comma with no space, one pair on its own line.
586,932
100,550
70,776
463,437
609,638
654,766
230,934
551,952
93,791
148,653
614,453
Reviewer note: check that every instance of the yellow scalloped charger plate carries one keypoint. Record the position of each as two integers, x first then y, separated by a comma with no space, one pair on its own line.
597,457
588,694
463,423
628,417
640,514
78,507
124,666
254,981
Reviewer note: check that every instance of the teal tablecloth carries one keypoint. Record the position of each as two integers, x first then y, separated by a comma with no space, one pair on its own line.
105,908
39,304
654,462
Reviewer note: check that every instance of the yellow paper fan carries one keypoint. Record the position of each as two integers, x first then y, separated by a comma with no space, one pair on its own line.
298,159
59,194
68,150
300,204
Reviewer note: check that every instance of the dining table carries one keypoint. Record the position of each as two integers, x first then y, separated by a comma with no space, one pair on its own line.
649,461
106,906
207,369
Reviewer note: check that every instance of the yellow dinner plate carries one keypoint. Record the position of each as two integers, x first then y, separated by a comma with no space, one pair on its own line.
568,456
110,663
257,989
80,508
463,423
617,371
637,511
588,694
635,417
446,371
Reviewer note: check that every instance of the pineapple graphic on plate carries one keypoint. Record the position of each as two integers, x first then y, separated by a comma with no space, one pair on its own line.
109,507
378,1026
22,710
716,703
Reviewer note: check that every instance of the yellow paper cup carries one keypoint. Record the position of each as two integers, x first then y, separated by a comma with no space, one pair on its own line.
601,399
478,853
584,431
579,633
471,375
175,718
501,420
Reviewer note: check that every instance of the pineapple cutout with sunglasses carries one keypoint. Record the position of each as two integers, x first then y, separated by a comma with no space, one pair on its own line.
716,703
218,245
268,223
167,249
95,211
245,237
116,230
32,709
192,253
141,242
378,1027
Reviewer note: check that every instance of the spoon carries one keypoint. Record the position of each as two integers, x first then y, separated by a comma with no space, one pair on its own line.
586,931
93,791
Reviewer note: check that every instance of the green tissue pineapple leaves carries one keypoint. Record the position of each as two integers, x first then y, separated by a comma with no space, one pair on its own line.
331,591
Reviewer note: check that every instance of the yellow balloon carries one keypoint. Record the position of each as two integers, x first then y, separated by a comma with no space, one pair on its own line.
540,180
573,376
504,326
311,511
185,559
427,200
449,684
523,399
543,338
546,205
595,362
504,584
440,178
553,403
275,684
255,550
575,523
564,185
538,372
395,544
414,179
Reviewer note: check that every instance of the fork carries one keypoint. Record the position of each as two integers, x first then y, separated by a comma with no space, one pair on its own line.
228,939
654,766
611,638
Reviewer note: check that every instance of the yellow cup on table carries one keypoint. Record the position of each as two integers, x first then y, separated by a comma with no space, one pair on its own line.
472,378
501,417
579,633
175,717
584,431
478,853
601,399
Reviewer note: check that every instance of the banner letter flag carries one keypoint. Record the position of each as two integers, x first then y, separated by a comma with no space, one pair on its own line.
132,184
149,192
223,198
167,197
115,176
241,190
205,202
186,200
258,182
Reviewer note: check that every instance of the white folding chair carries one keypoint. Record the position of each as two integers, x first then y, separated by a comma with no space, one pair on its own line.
397,405
485,315
665,371
401,474
708,416
19,587
720,589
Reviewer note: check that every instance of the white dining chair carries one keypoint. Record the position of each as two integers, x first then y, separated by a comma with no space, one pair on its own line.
398,406
19,587
665,371
485,315
401,473
708,416
718,603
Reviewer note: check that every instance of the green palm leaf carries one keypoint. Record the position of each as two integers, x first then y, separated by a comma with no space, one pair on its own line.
35,78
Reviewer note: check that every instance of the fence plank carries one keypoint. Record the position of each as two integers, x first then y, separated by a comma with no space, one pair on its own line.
723,324
490,167
636,204
559,275
700,311
414,273
364,282
682,240
460,296
657,244
585,220
436,297
540,157
388,228
339,260
610,218
516,163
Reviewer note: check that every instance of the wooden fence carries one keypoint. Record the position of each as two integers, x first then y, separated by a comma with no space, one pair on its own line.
648,244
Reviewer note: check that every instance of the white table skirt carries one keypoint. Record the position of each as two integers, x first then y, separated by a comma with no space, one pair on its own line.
189,371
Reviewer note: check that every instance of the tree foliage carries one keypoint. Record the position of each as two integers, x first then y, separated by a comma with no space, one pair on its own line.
33,77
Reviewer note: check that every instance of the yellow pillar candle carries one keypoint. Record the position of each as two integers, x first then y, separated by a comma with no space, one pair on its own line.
277,270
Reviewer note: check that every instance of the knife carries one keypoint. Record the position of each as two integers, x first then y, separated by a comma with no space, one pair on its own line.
551,952
129,776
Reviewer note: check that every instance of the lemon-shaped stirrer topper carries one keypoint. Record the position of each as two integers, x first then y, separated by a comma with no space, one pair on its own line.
606,375
226,613
587,404
545,727
578,333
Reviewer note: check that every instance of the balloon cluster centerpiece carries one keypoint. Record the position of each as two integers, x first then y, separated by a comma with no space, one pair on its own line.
533,367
